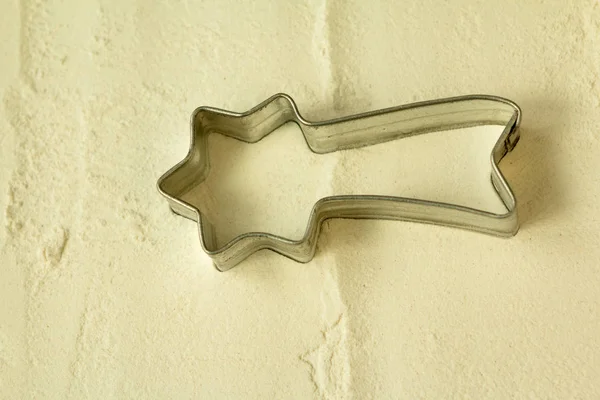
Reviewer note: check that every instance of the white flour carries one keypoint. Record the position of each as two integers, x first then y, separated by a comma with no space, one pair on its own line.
106,294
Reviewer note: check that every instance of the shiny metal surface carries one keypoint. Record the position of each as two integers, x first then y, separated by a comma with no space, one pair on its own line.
345,133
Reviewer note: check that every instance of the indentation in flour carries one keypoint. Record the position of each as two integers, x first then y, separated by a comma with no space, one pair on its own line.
322,47
137,223
6,357
337,73
94,344
137,226
24,44
330,361
54,248
53,245
344,70
13,222
93,340
80,340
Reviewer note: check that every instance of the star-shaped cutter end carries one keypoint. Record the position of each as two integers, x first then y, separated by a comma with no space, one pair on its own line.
345,133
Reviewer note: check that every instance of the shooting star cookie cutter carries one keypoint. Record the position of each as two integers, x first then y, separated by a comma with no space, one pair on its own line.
346,133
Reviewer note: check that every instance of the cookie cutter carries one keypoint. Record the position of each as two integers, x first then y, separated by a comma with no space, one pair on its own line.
346,133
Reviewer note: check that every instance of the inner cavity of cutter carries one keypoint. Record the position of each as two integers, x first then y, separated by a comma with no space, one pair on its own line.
272,185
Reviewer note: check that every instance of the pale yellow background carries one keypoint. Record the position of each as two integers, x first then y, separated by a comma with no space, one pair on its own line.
105,294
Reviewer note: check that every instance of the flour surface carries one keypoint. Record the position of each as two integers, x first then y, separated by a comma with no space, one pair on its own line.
106,294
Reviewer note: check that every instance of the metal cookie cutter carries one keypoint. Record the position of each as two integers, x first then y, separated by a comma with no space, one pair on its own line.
346,133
